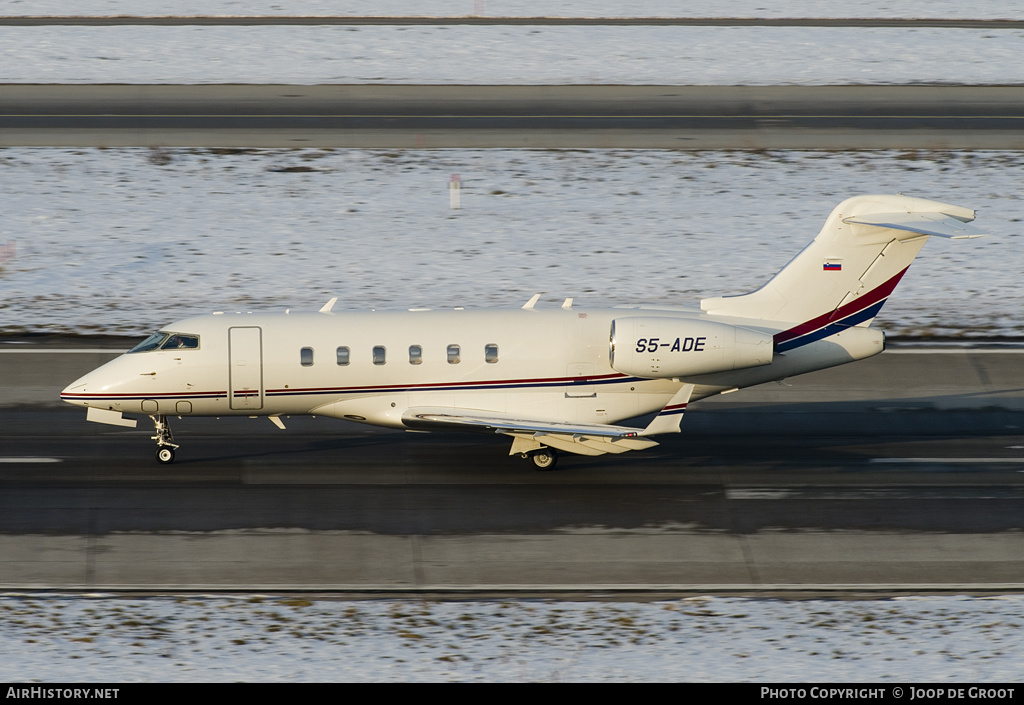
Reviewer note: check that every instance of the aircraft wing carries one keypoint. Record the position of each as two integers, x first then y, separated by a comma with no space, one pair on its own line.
449,419
939,224
585,439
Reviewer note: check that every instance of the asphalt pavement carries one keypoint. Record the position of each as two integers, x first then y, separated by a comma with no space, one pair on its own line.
902,473
575,116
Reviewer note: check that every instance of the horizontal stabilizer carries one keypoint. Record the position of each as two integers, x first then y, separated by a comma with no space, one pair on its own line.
938,224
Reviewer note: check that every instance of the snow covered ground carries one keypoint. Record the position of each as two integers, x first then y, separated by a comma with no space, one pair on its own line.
102,639
127,240
510,55
979,9
523,55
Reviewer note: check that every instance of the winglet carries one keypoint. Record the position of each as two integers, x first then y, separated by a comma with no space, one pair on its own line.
669,418
326,308
532,302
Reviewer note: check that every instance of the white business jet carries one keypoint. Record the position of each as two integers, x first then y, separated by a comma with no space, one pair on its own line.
551,379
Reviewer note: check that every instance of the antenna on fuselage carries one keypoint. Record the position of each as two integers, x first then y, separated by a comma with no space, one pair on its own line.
532,302
326,308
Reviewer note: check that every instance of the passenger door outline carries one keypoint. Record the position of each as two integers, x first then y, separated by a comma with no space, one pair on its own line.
245,368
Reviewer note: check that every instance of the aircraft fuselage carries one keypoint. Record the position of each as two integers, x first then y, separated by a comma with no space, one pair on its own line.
544,364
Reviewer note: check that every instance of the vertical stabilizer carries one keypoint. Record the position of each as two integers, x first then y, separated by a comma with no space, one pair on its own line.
848,271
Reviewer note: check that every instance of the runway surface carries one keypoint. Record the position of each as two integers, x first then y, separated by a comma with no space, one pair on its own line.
582,116
249,21
903,473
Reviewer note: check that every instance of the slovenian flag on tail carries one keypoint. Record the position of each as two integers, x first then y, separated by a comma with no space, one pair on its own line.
834,265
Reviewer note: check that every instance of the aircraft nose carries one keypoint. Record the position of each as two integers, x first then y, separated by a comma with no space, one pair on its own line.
74,391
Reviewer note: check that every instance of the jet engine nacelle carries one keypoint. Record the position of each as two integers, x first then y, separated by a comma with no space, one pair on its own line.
661,348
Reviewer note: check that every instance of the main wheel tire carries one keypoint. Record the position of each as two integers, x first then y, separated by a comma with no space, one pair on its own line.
545,458
165,455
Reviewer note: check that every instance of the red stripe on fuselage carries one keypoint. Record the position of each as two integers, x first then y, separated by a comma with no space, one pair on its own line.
549,381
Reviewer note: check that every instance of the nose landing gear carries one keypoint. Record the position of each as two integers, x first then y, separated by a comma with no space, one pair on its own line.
165,444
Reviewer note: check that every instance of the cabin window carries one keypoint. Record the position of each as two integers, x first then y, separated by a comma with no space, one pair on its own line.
491,353
415,354
306,357
343,355
453,354
379,352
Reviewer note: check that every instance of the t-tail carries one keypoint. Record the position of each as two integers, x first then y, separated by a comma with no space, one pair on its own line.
845,275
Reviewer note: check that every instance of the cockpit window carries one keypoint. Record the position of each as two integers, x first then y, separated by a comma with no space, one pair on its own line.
150,343
178,341
167,341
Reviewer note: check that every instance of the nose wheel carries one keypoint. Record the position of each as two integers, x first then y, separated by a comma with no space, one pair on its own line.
165,444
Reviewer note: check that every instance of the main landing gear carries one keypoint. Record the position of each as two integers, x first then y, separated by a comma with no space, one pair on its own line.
544,459
165,444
